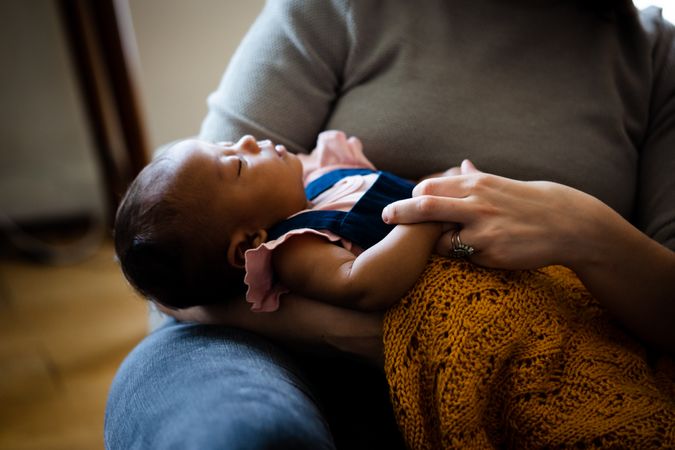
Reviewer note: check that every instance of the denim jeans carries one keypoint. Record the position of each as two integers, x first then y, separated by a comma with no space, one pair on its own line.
189,386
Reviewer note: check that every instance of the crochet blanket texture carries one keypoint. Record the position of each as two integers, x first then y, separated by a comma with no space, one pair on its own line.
479,358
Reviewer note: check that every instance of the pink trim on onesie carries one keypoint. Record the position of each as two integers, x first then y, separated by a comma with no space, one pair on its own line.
333,151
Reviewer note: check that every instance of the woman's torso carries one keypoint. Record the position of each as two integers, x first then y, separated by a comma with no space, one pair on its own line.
531,90
547,93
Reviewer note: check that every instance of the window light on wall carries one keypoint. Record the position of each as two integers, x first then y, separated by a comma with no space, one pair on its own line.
668,7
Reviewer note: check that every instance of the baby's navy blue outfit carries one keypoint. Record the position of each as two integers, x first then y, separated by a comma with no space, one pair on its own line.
363,224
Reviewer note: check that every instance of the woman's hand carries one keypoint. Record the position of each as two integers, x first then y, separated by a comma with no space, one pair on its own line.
522,225
511,224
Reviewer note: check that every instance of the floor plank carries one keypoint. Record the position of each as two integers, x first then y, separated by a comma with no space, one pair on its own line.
63,333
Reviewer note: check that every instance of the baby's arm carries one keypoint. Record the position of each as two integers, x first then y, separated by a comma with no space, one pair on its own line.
310,266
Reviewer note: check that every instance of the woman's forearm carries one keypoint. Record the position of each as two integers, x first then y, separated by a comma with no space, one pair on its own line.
518,225
632,275
301,323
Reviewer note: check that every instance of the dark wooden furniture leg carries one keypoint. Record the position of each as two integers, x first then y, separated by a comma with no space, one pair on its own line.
105,57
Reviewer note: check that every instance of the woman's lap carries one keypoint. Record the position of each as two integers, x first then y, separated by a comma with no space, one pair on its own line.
194,386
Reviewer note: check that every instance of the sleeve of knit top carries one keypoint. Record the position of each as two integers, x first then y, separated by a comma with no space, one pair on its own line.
655,201
285,76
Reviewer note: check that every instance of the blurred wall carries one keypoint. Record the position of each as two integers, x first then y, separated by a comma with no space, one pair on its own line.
184,47
48,165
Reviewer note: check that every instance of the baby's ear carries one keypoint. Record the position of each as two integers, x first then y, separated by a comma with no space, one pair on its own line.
242,241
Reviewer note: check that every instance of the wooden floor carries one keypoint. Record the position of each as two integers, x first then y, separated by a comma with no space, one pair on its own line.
63,333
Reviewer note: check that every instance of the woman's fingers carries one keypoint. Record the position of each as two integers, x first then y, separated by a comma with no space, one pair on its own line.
427,208
510,224
452,172
442,199
468,167
192,314
457,186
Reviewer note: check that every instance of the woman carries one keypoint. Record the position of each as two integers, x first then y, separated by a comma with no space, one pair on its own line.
580,97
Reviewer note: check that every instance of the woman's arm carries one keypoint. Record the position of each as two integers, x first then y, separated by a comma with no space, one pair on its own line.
283,80
523,225
629,267
301,323
308,265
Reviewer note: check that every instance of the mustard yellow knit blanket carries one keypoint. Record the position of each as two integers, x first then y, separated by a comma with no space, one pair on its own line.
479,358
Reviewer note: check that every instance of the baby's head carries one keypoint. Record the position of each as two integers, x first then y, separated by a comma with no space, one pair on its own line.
183,226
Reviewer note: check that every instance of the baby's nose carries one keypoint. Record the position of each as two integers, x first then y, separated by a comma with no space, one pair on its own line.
248,144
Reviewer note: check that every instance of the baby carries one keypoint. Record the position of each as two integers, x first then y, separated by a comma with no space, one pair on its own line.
528,358
205,222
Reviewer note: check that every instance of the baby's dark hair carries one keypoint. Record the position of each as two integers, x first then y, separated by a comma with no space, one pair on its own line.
161,250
